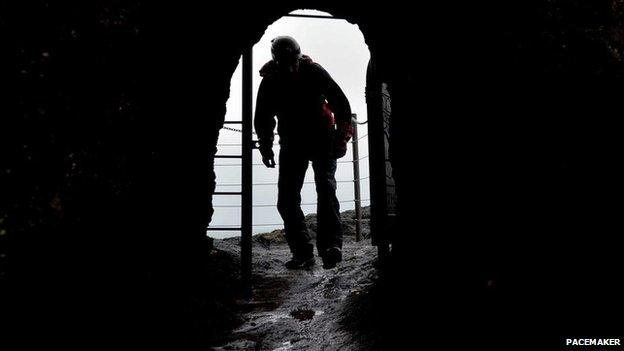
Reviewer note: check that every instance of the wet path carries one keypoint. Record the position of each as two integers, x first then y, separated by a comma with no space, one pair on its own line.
300,310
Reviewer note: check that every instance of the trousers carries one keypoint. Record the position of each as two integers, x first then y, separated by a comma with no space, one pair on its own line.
293,164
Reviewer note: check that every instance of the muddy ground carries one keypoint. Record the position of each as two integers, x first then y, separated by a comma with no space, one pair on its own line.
314,309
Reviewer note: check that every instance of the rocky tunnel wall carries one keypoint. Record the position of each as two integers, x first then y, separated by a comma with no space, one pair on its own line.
502,142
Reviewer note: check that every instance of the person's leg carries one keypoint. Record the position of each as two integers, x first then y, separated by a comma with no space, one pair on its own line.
328,208
292,169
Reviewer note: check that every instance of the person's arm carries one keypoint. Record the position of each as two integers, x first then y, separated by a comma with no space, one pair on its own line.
339,104
264,123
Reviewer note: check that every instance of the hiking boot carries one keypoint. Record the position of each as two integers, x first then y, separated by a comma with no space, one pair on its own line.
332,256
296,263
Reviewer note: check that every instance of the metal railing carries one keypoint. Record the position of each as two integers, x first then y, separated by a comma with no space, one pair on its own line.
357,200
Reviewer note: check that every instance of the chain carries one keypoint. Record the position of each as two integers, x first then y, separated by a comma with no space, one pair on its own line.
235,130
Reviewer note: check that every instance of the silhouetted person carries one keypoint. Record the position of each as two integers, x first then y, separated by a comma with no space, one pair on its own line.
302,95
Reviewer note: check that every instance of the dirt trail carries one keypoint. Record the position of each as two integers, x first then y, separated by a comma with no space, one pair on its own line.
301,310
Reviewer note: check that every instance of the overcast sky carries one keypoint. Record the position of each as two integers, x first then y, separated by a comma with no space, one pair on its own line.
339,47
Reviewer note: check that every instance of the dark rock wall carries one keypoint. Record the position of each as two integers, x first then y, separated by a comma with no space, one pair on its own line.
504,147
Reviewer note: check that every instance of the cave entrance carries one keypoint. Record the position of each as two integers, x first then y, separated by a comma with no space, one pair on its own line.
246,190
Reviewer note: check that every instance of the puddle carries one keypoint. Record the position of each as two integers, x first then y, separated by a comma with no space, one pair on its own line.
302,314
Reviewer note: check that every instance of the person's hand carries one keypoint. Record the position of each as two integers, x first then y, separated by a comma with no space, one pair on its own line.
268,161
339,149
344,132
268,157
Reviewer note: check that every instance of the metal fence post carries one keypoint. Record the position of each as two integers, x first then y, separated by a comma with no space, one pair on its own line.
246,176
356,179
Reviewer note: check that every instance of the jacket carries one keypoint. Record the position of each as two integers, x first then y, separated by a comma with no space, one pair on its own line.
299,102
